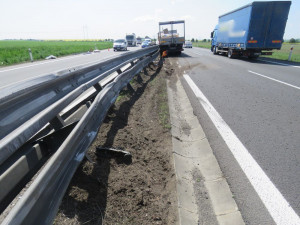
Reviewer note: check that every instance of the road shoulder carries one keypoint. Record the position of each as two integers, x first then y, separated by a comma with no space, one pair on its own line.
203,194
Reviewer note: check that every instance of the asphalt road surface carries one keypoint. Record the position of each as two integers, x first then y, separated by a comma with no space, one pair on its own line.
250,111
21,72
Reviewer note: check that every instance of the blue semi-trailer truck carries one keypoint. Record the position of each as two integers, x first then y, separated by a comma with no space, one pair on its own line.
252,30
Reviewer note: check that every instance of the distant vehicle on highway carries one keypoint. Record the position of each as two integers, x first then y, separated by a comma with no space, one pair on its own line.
120,44
138,40
251,30
145,44
148,39
188,44
131,39
171,36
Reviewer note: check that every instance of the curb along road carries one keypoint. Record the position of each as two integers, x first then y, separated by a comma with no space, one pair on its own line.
203,194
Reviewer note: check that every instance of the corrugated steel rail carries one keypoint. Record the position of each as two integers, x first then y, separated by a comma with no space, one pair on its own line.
32,115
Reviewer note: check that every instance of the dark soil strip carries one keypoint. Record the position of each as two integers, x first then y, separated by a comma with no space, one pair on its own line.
109,191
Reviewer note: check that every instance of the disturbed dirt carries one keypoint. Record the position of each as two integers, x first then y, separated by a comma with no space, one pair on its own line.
108,190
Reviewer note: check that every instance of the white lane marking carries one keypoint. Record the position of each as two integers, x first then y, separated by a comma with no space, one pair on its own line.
278,207
284,64
22,67
258,74
56,60
70,68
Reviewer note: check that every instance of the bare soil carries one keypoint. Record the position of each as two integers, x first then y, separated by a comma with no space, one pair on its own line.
109,191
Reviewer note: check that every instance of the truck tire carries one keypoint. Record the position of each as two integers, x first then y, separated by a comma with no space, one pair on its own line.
230,53
215,50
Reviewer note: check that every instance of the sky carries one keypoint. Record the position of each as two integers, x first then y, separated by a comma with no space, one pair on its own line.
103,19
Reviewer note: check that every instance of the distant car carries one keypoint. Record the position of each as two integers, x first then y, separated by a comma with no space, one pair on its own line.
145,44
120,44
188,44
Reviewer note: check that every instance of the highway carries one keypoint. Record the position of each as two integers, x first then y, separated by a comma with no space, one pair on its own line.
250,112
21,72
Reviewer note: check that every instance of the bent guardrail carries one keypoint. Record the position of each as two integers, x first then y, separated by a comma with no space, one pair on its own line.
40,202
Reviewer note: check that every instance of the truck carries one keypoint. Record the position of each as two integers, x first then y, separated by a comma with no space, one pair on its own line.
171,36
139,40
131,39
252,30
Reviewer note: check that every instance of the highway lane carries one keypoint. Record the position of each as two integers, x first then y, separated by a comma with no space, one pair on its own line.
260,103
19,73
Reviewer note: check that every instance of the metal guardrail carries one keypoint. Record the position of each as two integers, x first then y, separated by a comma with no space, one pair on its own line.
18,107
26,109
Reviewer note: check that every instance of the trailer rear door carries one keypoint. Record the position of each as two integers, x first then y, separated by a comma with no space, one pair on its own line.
267,25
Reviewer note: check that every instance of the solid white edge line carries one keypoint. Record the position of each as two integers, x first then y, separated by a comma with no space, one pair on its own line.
22,67
282,82
30,78
56,60
276,204
284,64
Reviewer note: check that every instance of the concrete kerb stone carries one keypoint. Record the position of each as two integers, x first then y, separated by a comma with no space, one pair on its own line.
221,197
191,150
231,218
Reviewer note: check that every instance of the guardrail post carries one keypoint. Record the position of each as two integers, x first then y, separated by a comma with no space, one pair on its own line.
98,87
30,55
145,71
129,87
151,64
57,122
290,55
139,78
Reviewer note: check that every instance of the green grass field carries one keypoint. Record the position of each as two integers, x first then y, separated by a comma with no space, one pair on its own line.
201,44
282,54
12,52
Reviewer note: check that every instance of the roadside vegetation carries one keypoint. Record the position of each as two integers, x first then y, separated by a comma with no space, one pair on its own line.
16,51
282,54
201,44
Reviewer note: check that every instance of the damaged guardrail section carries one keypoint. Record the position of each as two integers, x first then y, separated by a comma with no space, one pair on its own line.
30,116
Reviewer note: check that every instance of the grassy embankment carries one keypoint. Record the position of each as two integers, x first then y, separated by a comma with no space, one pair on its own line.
12,52
282,54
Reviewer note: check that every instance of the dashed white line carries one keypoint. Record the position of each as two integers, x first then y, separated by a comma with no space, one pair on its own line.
276,204
279,81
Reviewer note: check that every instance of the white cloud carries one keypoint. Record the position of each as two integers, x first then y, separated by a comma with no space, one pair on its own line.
186,17
157,11
146,18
